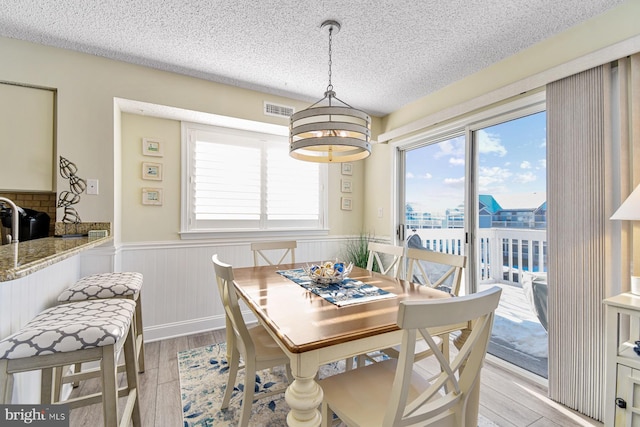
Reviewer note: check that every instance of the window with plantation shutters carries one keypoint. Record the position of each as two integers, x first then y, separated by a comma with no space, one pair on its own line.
246,181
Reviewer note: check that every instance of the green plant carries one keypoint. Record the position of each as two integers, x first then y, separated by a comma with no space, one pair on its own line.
357,250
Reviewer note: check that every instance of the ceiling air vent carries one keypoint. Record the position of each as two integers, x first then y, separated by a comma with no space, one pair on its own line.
271,109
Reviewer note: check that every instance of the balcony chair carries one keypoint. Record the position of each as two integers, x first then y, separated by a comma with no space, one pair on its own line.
257,348
393,393
259,249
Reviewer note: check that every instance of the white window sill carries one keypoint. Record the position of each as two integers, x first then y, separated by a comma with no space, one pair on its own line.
251,235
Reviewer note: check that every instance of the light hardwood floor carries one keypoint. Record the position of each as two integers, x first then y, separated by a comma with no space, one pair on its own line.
505,398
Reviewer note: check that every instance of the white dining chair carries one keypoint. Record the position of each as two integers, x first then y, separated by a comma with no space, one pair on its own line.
257,348
266,251
433,269
393,393
388,258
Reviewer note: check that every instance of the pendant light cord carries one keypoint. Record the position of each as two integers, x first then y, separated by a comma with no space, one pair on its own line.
330,87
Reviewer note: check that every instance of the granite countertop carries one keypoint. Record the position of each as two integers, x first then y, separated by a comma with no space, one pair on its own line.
23,258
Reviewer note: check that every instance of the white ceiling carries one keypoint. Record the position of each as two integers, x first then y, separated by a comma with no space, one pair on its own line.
388,53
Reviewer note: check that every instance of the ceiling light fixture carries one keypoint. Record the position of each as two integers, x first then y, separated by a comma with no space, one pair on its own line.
330,133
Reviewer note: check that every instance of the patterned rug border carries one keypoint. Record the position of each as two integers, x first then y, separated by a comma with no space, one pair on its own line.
203,380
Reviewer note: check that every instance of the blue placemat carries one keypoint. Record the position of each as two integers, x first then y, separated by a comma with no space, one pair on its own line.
350,291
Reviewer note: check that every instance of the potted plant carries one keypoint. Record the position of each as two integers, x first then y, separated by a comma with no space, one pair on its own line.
357,251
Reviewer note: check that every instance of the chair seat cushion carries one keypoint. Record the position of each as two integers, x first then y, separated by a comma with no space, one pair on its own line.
105,285
70,327
363,393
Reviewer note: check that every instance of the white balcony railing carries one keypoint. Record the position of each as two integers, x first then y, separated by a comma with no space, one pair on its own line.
504,253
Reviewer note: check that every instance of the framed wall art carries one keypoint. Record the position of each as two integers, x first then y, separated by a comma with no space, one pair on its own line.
347,168
346,203
345,185
152,196
152,171
151,147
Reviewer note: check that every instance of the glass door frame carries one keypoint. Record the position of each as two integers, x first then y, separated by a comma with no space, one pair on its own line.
523,105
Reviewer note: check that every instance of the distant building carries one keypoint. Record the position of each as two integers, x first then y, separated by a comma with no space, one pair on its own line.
525,210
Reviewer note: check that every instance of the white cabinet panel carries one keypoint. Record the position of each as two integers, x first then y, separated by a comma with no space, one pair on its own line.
26,138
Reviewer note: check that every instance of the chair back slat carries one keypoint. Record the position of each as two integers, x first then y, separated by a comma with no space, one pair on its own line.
266,251
393,258
455,264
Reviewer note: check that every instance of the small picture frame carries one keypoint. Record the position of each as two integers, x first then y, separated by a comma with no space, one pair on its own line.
347,168
152,171
152,196
151,147
345,185
346,203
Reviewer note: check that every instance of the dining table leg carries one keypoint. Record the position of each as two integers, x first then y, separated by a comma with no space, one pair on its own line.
304,395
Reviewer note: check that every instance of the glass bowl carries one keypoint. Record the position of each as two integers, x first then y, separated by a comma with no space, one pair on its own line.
328,272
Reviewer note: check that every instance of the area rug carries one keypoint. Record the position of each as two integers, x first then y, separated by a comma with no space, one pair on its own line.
203,378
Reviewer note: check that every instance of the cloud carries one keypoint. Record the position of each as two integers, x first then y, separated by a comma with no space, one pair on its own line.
542,163
410,175
454,182
525,165
451,147
524,178
490,143
492,176
456,161
427,175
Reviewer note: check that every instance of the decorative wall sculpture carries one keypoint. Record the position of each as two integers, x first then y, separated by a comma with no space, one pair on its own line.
67,199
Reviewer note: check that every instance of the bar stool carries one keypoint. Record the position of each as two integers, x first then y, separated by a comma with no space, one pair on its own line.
112,285
71,333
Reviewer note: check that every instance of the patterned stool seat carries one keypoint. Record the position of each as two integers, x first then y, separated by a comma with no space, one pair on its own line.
102,286
91,331
71,327
126,284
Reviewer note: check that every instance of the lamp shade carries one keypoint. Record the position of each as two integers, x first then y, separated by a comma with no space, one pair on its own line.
630,208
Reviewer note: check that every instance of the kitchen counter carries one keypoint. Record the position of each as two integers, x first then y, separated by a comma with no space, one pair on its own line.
23,258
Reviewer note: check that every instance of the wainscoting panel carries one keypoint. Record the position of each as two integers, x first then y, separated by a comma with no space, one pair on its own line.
179,292
23,299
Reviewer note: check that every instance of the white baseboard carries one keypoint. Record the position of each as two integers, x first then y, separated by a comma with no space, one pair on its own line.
178,329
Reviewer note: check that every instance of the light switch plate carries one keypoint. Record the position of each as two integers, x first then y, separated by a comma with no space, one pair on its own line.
92,186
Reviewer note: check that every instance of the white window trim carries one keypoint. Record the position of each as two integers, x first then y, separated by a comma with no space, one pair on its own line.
186,234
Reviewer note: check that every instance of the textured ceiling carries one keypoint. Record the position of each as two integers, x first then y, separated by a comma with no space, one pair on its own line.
387,54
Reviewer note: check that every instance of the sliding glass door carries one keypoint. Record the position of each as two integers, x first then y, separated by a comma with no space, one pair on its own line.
497,161
511,236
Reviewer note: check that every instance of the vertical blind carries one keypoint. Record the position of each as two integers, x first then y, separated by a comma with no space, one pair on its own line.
578,148
593,130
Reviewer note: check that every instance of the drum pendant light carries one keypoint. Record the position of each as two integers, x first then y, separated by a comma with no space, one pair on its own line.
330,131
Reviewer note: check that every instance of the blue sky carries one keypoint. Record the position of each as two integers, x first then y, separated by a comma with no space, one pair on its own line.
512,159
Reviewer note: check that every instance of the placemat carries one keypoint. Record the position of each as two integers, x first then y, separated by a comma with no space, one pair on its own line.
349,292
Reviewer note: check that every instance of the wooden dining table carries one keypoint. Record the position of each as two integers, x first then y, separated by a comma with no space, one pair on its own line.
313,331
